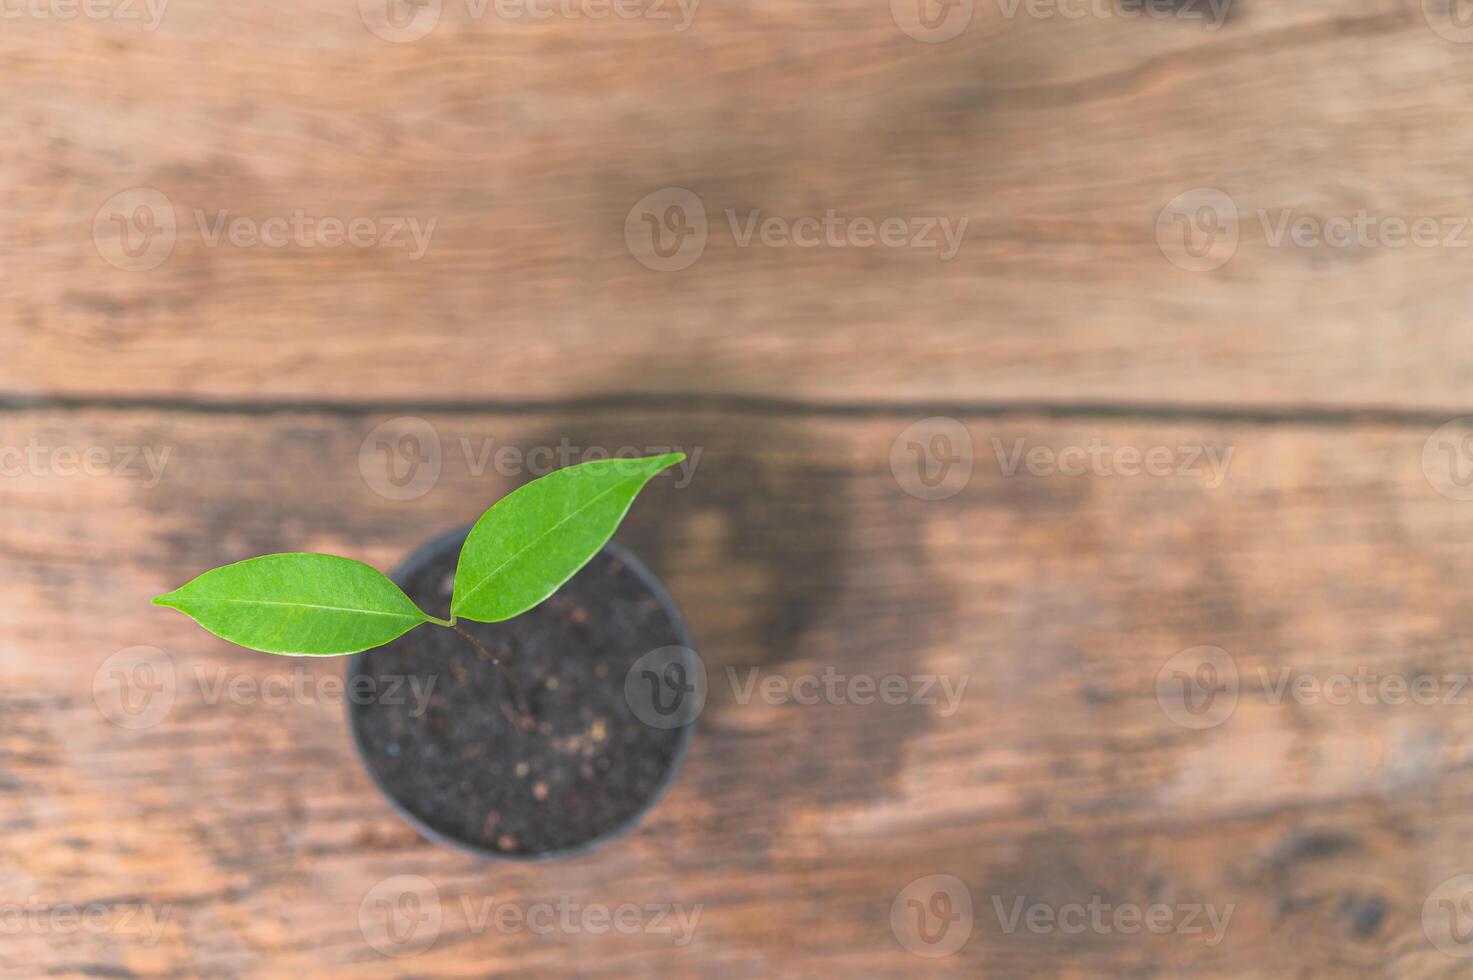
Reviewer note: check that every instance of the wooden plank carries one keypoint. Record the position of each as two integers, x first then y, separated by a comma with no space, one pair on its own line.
1058,779
1059,140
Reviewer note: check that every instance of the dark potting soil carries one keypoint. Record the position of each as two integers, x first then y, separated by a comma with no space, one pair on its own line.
464,769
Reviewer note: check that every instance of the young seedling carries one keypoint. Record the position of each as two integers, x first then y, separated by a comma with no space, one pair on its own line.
518,553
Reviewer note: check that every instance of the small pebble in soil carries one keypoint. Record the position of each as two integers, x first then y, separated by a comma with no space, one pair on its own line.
539,790
552,683
598,732
522,770
507,843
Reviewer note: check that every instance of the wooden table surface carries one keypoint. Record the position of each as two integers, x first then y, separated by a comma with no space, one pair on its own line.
1147,473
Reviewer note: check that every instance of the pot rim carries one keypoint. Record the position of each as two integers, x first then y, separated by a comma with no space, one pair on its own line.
406,570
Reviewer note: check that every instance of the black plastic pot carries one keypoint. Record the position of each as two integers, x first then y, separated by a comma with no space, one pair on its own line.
468,771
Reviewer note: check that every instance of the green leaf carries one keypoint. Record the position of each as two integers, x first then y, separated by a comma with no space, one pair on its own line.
300,605
533,540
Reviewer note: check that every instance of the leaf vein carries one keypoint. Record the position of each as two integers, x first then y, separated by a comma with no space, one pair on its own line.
302,605
533,541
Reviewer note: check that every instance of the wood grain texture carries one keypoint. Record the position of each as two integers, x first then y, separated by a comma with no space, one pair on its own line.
1058,778
241,820
1059,140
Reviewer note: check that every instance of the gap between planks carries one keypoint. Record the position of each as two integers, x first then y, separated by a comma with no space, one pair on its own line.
1298,415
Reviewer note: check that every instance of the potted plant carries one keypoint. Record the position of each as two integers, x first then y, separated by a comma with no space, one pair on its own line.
561,678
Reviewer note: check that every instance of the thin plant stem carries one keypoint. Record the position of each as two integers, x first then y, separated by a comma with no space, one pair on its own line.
524,709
